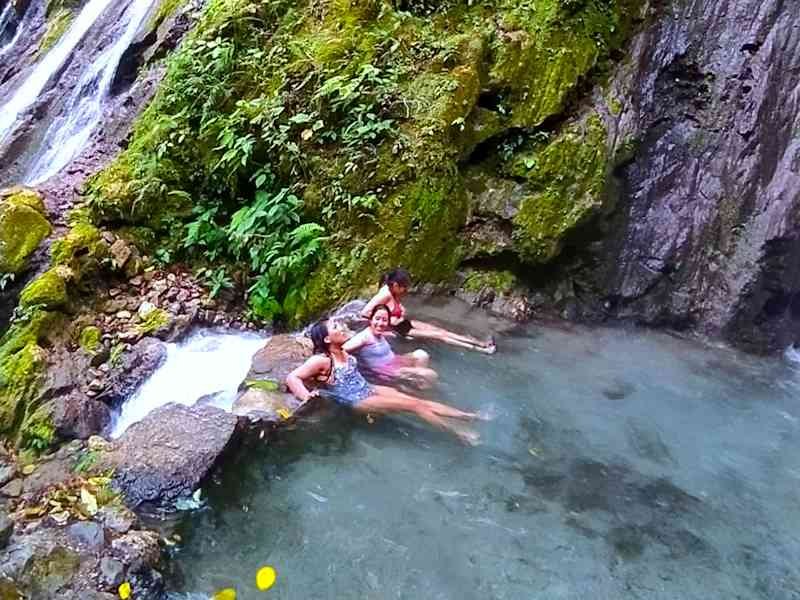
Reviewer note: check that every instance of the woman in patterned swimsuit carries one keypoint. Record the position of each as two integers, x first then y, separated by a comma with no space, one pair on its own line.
343,383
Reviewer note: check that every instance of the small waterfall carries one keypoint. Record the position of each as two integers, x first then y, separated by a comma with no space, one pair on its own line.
68,134
7,20
51,64
208,362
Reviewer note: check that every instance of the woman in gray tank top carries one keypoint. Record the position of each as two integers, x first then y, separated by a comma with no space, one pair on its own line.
340,380
376,356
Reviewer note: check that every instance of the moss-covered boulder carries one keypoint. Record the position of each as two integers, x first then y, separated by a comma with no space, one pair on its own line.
89,339
22,364
23,226
49,290
565,179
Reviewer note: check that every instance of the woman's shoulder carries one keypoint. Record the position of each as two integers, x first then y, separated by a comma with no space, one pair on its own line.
318,360
383,293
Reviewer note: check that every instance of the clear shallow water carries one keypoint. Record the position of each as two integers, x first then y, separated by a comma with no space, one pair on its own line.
621,465
207,362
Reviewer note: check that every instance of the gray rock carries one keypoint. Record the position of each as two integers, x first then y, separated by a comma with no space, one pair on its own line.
112,572
117,519
705,230
50,473
279,357
138,363
6,529
137,549
12,489
78,416
120,252
88,535
168,453
264,405
7,472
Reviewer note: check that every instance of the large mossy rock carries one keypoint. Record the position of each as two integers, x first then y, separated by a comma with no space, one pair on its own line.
167,454
263,394
23,226
280,356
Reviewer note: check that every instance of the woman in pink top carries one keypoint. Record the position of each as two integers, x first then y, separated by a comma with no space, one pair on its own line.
395,285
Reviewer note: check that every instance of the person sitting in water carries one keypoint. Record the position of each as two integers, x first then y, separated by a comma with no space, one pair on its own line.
394,286
341,381
376,355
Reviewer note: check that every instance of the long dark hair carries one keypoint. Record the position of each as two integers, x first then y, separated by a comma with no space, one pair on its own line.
378,307
318,333
399,276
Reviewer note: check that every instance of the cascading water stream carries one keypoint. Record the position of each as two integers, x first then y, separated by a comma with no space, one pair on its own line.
7,17
209,363
48,67
68,134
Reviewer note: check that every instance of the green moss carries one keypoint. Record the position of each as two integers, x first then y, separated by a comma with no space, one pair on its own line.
23,226
419,230
83,238
500,281
57,24
49,290
156,319
566,178
267,385
166,8
37,431
22,362
90,338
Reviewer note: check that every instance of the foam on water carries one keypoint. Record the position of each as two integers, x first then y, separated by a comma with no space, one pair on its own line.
208,362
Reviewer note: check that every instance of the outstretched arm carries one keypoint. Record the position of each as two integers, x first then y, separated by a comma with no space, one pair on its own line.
359,340
313,366
382,297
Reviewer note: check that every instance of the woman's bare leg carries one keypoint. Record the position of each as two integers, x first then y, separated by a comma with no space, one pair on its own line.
437,408
423,327
379,403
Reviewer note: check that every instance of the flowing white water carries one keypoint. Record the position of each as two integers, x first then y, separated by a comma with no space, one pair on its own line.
6,16
52,62
67,135
208,362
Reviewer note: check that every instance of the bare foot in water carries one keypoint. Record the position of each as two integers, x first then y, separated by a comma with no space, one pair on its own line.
490,347
469,438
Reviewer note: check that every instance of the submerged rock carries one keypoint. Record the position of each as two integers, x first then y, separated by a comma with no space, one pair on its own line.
168,453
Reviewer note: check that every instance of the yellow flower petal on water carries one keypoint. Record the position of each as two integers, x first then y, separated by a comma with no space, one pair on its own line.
265,578
124,590
226,594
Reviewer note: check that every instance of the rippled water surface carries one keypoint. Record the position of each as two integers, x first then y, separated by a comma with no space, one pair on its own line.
622,464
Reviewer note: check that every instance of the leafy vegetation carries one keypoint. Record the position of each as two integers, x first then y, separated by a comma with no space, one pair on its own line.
304,147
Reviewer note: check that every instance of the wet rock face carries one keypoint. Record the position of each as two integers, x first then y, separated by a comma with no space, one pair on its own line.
279,357
168,453
138,364
263,395
707,231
